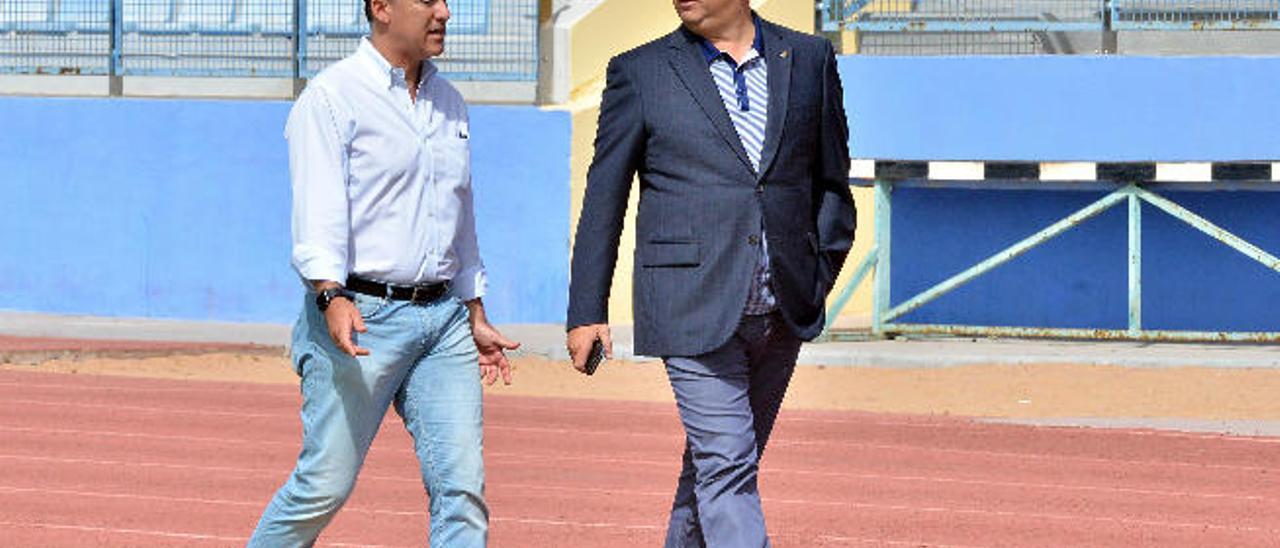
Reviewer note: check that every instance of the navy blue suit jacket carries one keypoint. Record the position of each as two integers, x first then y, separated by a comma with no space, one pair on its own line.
702,205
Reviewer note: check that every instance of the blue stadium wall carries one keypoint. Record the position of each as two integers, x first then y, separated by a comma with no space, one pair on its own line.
1066,108
180,209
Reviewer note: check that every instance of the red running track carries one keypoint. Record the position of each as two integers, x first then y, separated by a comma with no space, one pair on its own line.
109,461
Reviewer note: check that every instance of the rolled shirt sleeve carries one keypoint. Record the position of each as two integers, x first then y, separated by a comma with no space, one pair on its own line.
471,282
318,168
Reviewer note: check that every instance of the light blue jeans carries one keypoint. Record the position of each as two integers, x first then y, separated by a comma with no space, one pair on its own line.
423,361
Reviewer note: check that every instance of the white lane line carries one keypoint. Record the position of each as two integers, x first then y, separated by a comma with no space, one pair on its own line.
145,409
577,524
888,542
128,496
569,432
1028,485
134,389
663,494
587,407
954,424
359,510
788,417
155,533
1049,516
213,386
140,435
897,448
845,505
776,442
122,531
771,472
140,464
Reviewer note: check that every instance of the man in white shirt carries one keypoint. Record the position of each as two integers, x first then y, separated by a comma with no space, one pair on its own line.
384,234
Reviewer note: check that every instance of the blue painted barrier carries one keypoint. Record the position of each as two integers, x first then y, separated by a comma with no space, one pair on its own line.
1063,107
1074,108
180,209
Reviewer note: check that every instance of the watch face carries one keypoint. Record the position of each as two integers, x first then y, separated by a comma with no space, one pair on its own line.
324,298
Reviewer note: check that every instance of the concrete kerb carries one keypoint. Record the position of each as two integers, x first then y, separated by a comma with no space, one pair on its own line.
547,341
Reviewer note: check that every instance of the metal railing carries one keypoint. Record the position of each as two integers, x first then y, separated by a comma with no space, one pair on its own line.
489,39
889,317
1196,15
1047,15
67,37
965,15
965,27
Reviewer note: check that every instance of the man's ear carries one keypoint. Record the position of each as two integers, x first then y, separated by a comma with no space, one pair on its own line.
381,11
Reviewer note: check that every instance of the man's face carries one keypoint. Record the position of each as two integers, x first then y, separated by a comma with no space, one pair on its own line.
418,26
701,13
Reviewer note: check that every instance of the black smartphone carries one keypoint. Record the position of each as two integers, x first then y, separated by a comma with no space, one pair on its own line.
595,357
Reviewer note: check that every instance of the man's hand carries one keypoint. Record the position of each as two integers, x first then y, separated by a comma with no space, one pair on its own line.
580,340
343,317
491,345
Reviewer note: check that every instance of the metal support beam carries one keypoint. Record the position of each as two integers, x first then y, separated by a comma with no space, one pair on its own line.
1110,38
115,63
864,268
884,315
1007,255
299,51
1135,263
883,320
883,210
1216,232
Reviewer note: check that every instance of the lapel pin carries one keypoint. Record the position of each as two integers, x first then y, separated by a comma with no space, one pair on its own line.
784,54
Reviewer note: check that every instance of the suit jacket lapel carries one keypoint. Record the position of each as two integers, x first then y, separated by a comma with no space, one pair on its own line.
779,62
691,67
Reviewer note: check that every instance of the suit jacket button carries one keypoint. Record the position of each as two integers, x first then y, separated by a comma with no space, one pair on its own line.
759,189
753,239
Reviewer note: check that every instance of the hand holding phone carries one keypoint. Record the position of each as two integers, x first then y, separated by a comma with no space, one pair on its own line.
594,357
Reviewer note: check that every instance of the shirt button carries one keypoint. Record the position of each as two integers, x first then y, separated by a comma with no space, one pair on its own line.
753,239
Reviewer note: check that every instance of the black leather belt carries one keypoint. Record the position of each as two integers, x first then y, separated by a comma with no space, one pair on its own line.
424,293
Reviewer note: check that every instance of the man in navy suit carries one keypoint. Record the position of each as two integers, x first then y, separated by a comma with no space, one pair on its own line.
737,130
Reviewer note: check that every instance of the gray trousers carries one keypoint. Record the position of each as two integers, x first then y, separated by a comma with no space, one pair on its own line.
728,400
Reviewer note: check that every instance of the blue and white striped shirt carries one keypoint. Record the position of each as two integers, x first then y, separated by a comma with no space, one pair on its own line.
744,87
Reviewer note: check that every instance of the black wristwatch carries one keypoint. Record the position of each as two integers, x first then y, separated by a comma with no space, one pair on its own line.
326,297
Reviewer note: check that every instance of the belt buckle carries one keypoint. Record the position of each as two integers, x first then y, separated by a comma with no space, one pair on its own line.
414,297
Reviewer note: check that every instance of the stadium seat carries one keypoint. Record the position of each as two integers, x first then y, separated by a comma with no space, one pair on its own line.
205,15
265,16
24,14
148,15
336,17
469,16
84,15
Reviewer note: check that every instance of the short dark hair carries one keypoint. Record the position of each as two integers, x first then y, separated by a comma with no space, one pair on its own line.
368,11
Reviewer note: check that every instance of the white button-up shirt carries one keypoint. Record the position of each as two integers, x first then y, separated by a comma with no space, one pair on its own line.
382,184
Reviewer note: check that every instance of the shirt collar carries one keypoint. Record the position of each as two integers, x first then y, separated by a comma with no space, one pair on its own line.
711,53
384,68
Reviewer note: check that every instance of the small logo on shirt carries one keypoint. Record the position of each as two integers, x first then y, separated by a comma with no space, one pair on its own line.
463,134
